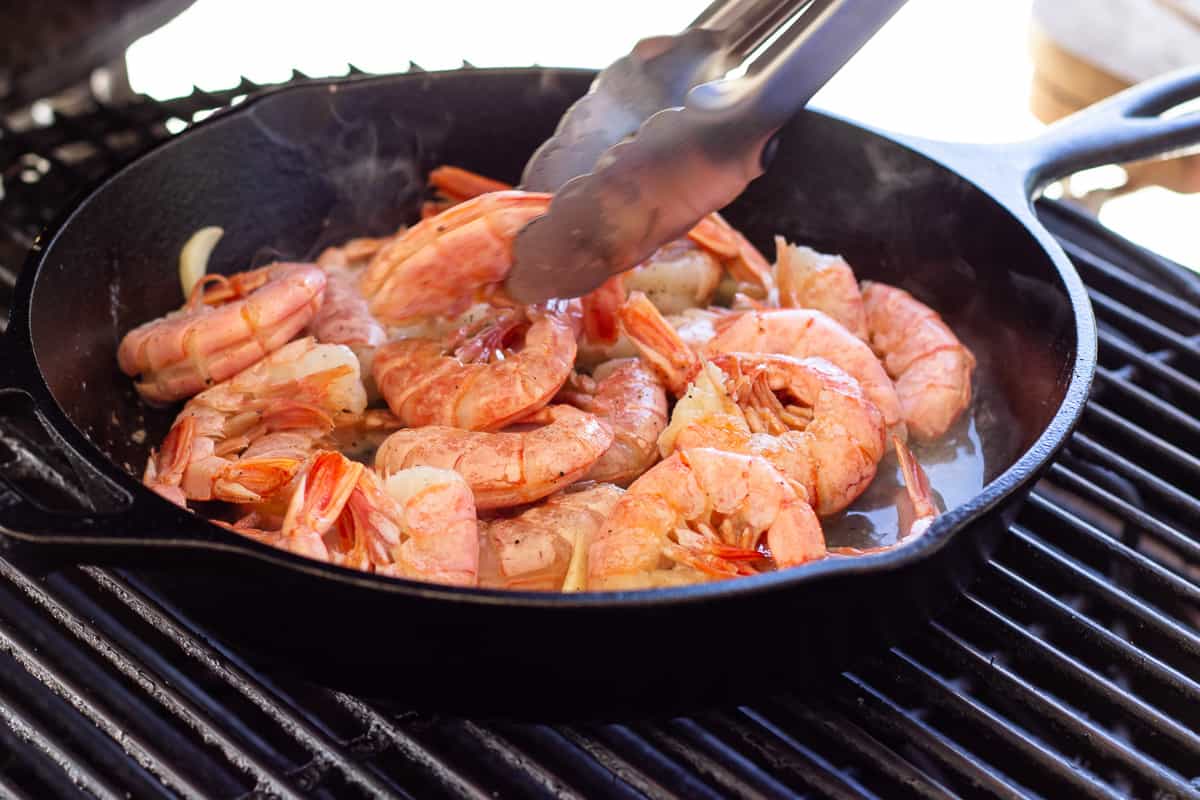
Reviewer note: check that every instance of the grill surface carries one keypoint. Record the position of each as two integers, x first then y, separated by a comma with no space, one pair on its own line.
1070,669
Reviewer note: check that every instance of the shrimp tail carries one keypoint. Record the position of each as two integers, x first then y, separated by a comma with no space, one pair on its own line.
454,185
600,323
165,468
254,479
742,259
916,484
658,343
319,501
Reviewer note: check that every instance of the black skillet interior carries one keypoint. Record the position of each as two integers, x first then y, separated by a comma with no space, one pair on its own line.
290,173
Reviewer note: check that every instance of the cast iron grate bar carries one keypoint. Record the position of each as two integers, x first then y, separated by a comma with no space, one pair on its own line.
1128,512
833,733
1067,668
892,721
1036,653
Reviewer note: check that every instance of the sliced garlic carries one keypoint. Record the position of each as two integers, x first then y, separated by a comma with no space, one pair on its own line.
576,578
193,258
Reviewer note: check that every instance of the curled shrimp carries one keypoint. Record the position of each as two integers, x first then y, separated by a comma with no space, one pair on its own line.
931,367
797,332
805,278
507,468
227,325
804,333
323,487
492,373
418,523
628,397
800,333
440,265
805,416
243,440
702,515
680,274
545,547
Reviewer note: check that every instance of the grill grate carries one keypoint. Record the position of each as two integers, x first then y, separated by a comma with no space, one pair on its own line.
1068,670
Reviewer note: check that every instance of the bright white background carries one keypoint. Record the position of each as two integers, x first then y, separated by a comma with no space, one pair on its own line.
952,69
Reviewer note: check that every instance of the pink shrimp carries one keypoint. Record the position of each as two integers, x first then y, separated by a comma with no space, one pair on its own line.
419,523
227,325
344,317
801,333
440,265
808,418
509,368
243,440
804,333
507,468
681,274
931,367
322,491
545,547
627,396
702,515
805,278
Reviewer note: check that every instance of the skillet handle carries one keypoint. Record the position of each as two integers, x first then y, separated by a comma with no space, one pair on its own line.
128,527
1126,127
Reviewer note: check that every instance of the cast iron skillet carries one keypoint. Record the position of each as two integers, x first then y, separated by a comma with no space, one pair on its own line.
294,170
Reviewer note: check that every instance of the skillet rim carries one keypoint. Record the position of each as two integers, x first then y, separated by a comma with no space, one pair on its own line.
161,512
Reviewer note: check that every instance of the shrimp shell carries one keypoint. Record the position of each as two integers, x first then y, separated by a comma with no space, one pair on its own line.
805,278
534,550
834,456
931,367
804,333
221,332
670,526
630,399
507,468
246,438
420,523
425,385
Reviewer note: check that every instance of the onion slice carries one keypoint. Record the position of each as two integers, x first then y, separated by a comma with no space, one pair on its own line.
193,258
576,579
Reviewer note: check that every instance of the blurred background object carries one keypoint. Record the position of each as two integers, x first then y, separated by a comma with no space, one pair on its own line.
1081,57
943,69
45,47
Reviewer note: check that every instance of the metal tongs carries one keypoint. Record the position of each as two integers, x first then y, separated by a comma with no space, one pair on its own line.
697,138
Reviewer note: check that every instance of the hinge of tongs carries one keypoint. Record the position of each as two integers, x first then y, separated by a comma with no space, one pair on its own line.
692,159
